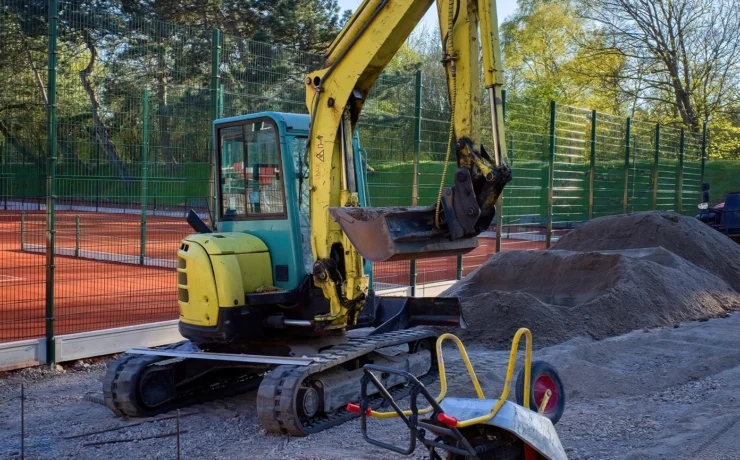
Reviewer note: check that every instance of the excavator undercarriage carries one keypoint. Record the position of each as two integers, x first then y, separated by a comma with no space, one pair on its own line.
304,383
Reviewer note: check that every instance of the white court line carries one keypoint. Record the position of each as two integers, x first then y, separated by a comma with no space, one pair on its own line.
10,278
104,256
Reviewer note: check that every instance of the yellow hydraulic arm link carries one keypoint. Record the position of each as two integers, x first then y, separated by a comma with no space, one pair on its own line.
335,96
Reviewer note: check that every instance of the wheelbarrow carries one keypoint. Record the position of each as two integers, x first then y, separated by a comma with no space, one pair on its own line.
474,428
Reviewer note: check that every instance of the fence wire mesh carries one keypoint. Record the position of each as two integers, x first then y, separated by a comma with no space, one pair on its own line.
524,210
570,168
135,102
641,166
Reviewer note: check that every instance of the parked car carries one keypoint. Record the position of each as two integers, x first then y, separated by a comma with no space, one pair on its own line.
723,217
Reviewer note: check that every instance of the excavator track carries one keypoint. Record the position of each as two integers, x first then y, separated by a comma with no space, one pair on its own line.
126,388
123,394
276,397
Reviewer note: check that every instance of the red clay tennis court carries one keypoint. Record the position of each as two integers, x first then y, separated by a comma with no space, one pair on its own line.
100,282
88,294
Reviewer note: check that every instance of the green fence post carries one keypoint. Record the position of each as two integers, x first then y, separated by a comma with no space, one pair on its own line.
459,269
77,236
592,167
97,175
550,176
703,149
221,97
51,179
679,179
656,166
23,231
215,86
412,277
144,171
417,140
215,77
500,201
627,144
417,167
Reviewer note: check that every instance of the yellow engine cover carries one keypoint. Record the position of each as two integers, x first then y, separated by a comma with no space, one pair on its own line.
216,270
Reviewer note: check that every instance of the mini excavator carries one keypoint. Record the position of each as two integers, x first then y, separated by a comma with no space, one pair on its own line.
276,295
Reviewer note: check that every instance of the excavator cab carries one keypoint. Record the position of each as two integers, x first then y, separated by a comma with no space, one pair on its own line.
252,276
252,271
263,188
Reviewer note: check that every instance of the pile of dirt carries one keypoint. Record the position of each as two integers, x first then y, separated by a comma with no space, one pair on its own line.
605,291
684,236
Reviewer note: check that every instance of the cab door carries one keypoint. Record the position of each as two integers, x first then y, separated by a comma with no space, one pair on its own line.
252,192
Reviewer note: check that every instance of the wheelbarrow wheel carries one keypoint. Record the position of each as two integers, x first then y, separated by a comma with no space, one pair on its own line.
543,377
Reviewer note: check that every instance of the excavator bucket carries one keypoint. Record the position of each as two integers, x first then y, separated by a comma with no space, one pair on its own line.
399,313
399,233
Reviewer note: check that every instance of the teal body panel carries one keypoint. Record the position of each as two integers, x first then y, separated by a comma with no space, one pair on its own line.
283,236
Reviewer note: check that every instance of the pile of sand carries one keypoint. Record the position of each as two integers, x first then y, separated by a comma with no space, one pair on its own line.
684,236
561,294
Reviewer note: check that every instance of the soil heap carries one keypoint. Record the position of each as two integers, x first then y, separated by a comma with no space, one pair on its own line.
684,236
629,272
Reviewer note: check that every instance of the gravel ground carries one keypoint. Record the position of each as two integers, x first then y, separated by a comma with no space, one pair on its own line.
658,393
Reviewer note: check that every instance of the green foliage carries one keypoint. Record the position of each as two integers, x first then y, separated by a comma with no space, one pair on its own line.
545,57
161,44
305,25
725,138
110,51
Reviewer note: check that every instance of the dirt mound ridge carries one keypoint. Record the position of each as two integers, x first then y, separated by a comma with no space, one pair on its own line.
564,294
684,236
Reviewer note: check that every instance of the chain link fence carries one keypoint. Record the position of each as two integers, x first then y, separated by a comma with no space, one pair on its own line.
105,144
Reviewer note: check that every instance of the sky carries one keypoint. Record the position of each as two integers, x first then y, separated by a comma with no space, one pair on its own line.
505,8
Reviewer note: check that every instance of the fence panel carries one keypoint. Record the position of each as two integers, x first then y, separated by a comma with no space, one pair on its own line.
571,168
258,77
669,150
23,126
525,198
641,166
609,171
122,198
692,173
435,129
388,136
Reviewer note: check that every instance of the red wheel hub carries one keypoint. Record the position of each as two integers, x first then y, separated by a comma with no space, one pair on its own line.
541,384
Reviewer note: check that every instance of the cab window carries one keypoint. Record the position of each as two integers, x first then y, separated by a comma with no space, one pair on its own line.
301,173
251,172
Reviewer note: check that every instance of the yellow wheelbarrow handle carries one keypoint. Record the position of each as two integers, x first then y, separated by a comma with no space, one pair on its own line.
474,378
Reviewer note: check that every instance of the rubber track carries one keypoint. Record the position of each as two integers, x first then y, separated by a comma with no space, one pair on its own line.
276,396
120,388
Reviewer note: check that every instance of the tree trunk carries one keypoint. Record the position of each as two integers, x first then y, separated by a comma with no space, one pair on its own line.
28,157
100,132
66,151
163,113
36,76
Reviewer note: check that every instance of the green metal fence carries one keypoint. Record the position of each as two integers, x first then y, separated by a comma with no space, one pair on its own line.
105,143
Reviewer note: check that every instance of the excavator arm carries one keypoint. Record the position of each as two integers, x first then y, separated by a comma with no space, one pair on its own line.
342,232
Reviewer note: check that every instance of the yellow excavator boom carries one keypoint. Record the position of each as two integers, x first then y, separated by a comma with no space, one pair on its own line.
343,234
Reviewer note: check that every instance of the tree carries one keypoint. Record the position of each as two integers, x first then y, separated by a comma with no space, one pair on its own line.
682,57
544,59
304,25
724,135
